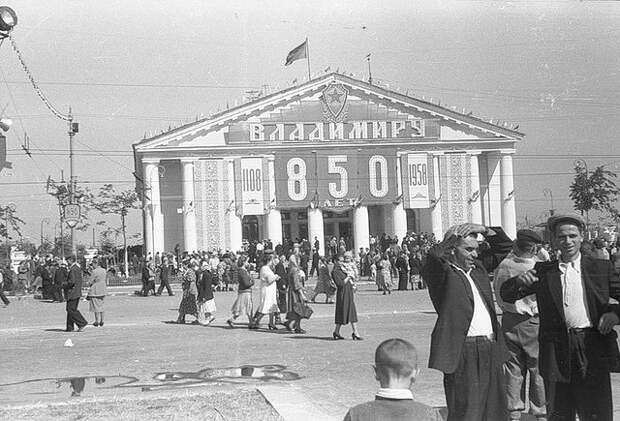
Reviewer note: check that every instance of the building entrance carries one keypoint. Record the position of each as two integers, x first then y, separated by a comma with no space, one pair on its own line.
250,228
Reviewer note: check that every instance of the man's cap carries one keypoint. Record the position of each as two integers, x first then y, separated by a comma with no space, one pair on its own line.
573,219
529,236
267,251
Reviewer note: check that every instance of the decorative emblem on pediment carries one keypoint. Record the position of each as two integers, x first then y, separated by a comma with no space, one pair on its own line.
334,102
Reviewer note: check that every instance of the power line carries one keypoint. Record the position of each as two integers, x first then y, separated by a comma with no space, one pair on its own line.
140,85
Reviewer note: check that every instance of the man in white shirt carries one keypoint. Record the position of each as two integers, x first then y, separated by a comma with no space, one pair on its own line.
520,324
578,345
466,343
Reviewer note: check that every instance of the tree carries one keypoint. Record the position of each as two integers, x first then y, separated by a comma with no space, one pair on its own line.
62,245
109,201
9,223
594,190
27,247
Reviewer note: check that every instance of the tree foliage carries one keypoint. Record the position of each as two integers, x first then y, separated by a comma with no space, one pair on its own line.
595,190
8,219
110,201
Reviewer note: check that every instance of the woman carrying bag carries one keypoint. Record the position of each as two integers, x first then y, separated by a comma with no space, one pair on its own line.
297,307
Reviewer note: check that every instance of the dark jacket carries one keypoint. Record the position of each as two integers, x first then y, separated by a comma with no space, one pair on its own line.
600,283
453,300
205,286
74,282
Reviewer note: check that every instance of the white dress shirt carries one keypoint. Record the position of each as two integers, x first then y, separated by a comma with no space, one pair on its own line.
573,295
399,394
480,324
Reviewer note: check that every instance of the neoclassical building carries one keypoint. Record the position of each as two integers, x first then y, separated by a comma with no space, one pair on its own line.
333,156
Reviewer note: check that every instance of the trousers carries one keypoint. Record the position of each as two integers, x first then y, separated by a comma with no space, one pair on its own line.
521,334
475,391
588,394
74,317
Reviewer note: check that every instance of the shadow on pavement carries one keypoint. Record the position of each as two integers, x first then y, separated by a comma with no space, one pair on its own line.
319,338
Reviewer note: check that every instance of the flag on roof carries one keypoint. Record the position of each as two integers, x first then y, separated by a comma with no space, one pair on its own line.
299,52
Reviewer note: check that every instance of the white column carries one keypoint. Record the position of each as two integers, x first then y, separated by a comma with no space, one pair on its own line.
436,222
475,200
360,228
274,217
151,171
235,225
274,227
399,215
509,217
494,190
316,228
190,239
148,226
399,221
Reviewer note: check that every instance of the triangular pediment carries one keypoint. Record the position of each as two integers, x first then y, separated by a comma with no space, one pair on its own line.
332,107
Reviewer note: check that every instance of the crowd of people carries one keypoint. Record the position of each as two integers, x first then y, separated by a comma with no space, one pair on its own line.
550,353
557,325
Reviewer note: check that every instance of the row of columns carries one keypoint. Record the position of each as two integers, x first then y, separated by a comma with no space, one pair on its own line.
498,204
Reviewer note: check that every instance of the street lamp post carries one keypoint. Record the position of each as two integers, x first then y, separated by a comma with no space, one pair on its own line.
549,194
46,221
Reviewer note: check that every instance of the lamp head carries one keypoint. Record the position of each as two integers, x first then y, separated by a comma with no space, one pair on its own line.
8,19
5,124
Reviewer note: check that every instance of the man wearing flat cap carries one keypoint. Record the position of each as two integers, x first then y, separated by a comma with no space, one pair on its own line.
578,345
520,328
466,344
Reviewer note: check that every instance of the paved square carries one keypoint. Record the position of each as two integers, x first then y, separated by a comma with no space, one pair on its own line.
139,352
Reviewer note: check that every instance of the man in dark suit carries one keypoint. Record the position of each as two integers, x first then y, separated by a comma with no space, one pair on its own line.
73,292
578,346
466,343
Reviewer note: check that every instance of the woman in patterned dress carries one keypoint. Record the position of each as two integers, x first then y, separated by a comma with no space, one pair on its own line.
384,274
188,303
324,284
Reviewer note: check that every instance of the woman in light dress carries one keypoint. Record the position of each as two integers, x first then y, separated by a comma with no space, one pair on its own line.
384,274
97,292
269,293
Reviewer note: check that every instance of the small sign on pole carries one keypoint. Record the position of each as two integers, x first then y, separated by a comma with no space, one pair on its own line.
72,214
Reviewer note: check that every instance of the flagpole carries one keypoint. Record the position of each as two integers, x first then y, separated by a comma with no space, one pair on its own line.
308,58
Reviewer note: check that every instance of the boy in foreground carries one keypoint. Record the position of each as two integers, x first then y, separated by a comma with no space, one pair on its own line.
396,367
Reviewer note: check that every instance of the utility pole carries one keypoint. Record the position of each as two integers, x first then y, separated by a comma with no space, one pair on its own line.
73,129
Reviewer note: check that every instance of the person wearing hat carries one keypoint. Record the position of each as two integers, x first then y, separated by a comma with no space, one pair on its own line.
60,279
520,328
578,345
466,343
73,292
600,249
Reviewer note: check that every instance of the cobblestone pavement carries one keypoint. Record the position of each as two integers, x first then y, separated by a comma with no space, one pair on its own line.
138,351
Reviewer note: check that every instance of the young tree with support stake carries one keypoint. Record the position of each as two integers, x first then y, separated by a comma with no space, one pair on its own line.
109,201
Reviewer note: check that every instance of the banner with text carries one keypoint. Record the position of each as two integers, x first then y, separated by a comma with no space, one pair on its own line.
417,179
252,186
376,175
296,179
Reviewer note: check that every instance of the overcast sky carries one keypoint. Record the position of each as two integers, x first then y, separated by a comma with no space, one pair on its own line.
132,67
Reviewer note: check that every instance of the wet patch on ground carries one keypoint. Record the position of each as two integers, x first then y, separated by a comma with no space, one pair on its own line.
71,387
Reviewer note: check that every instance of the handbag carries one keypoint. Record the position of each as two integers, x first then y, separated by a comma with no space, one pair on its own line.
302,310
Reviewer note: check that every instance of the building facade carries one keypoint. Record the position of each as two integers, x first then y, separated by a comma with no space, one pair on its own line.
335,156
